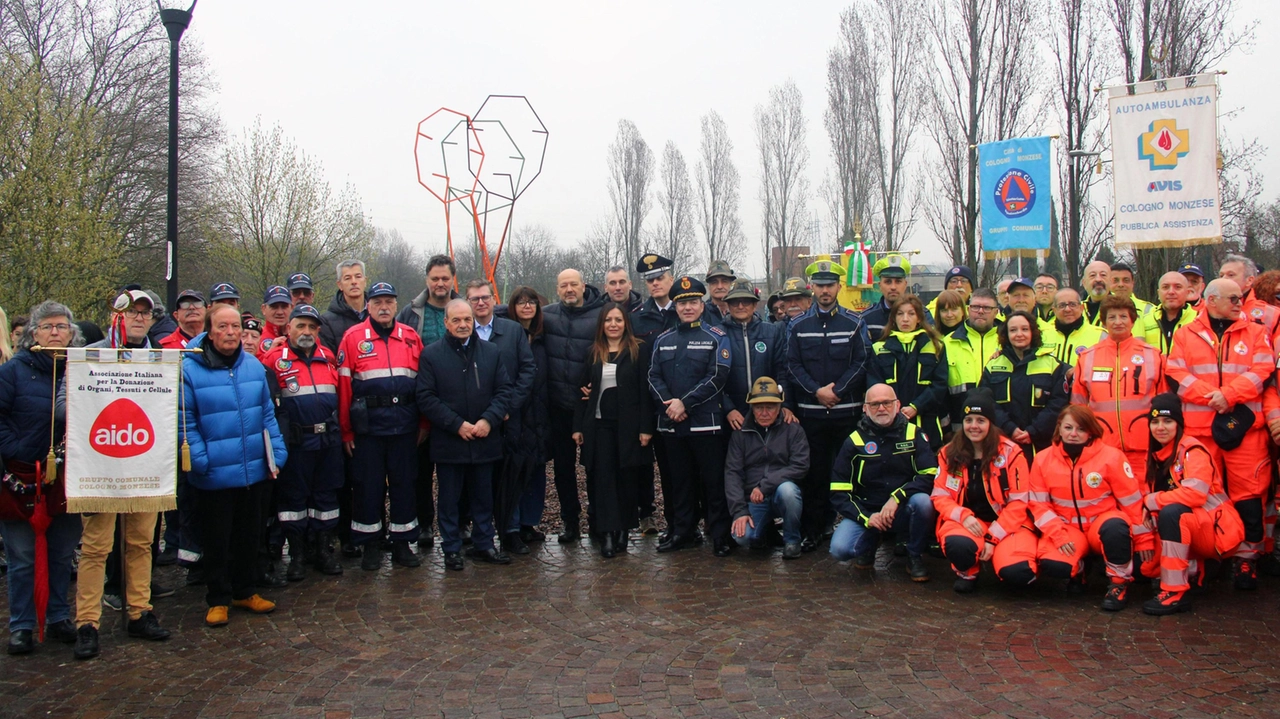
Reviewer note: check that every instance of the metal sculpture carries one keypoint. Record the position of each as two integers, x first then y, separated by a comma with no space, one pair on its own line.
484,163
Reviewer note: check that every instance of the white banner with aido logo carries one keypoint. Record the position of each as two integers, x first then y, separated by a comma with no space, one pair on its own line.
1164,141
122,430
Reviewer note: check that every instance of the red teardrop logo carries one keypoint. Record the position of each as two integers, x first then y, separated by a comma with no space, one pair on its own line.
1165,141
122,430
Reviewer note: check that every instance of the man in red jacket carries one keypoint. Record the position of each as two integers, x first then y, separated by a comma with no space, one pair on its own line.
1219,365
377,371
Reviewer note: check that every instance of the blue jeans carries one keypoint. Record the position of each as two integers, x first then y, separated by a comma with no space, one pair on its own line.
916,518
785,503
20,545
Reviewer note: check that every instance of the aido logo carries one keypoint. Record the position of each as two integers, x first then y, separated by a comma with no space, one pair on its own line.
122,430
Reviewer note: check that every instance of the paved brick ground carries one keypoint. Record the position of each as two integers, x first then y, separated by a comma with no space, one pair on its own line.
565,633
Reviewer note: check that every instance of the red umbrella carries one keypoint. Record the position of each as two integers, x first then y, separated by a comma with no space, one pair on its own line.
40,520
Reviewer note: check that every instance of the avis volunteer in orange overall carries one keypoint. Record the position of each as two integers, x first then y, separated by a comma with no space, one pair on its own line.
1085,500
1193,516
1219,364
1117,377
981,498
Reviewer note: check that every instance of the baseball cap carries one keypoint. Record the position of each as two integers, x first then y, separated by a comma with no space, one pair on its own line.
381,289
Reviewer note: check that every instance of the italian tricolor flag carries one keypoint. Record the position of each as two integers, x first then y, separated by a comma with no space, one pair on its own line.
857,256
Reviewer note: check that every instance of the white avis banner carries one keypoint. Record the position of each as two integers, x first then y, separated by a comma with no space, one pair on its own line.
1164,139
122,430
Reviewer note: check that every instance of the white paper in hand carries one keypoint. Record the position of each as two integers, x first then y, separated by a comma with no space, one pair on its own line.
271,453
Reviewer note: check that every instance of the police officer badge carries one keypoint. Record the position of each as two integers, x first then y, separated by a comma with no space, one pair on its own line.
685,284
1094,480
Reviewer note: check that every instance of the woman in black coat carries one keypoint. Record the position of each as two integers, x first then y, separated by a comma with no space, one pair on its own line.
525,306
614,424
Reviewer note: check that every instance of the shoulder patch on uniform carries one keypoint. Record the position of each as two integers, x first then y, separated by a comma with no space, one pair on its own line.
999,460
953,483
724,353
341,356
1128,471
715,330
871,447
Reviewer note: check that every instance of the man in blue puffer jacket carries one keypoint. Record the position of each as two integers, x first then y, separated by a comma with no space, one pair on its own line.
229,421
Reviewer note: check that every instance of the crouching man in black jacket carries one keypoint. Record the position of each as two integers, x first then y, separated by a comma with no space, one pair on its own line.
767,459
884,463
464,391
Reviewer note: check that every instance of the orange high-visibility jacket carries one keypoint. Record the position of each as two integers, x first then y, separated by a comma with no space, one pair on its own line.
1239,364
1194,481
1006,490
1066,492
1118,381
1260,312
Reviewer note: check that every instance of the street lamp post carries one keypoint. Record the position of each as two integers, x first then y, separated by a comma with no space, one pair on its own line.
175,21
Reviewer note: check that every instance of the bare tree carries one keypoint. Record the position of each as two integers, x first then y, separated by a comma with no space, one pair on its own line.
532,257
1075,39
784,157
110,59
851,120
631,167
674,235
983,90
898,42
272,213
389,257
600,249
718,190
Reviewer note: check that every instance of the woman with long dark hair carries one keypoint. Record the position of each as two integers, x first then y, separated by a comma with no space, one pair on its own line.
524,305
981,497
1028,382
614,424
1085,501
910,358
1188,507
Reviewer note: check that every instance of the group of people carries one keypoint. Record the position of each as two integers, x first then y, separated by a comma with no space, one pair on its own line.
1033,427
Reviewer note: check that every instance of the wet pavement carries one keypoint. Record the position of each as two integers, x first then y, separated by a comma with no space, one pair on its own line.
563,632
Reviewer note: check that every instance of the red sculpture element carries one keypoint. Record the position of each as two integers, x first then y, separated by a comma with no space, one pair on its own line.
454,165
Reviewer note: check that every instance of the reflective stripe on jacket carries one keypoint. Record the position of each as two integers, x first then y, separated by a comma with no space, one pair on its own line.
1200,364
1006,487
1118,382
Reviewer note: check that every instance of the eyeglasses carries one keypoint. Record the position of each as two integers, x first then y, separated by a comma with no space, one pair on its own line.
63,327
137,314
1068,305
481,298
190,305
740,302
887,404
527,303
982,308
1235,299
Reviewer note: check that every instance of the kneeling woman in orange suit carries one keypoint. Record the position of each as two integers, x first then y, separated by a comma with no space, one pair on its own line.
1085,500
981,498
1187,504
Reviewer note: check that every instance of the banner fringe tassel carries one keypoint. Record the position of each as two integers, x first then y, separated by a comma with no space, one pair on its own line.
121,505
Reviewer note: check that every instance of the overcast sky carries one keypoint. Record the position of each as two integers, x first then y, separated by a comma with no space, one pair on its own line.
350,81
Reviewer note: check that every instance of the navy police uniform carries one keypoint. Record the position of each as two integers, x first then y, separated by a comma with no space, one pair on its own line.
691,363
756,349
646,324
825,347
378,369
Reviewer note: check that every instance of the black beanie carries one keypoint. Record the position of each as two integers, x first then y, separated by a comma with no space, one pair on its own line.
1166,405
981,401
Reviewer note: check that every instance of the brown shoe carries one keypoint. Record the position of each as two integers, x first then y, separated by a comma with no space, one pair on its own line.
216,616
255,604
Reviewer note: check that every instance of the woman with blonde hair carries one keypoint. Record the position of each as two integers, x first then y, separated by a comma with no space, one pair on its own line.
6,349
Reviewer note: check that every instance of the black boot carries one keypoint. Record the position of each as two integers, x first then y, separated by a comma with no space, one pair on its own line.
297,559
608,549
326,561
